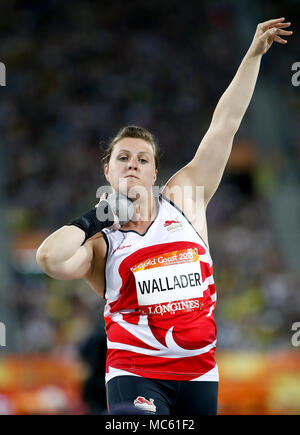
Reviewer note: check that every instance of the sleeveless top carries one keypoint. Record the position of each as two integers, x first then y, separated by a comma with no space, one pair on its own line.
160,299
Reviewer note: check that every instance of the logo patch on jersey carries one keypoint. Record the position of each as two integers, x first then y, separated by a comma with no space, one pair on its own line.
173,225
144,404
167,278
122,247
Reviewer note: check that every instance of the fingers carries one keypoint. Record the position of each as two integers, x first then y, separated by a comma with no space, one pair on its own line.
274,32
103,196
280,40
280,25
282,32
266,24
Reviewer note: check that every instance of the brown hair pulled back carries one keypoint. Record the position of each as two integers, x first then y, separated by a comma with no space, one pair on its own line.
136,133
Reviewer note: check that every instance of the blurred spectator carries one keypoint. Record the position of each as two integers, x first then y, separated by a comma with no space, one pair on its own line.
93,354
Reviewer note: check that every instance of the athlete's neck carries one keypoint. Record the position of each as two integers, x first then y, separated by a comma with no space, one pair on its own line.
145,209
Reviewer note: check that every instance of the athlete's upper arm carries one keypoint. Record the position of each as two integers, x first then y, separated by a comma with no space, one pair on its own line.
206,168
209,162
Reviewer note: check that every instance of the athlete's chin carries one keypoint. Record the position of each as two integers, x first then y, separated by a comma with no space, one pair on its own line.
133,180
133,187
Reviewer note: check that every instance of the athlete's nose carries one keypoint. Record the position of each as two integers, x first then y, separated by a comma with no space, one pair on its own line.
132,164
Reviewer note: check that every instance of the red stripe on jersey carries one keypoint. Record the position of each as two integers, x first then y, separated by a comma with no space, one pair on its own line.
118,334
181,369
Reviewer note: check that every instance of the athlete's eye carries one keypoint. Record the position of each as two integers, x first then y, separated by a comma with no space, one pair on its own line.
123,158
143,161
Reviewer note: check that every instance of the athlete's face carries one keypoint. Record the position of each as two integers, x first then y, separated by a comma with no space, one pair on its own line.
131,165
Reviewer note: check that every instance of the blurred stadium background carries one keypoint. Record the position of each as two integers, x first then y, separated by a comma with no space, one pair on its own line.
78,71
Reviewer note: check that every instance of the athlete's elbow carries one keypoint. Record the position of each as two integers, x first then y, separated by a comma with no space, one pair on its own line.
41,257
226,125
47,267
44,261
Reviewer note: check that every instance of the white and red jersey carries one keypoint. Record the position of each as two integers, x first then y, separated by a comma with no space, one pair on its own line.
160,300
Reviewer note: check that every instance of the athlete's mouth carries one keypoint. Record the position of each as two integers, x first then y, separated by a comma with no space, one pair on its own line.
131,176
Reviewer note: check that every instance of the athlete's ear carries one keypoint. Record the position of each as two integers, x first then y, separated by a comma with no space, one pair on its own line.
155,176
106,171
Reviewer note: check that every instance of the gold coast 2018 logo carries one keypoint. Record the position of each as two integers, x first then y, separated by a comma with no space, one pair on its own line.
2,334
2,74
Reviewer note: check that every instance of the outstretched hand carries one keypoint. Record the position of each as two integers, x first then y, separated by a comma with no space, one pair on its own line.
268,32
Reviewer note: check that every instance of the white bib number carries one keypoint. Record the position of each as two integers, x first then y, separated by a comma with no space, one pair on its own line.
174,276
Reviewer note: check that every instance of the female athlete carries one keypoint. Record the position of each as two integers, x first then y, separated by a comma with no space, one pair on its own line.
155,271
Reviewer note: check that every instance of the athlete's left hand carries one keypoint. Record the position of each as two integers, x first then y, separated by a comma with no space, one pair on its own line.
268,32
